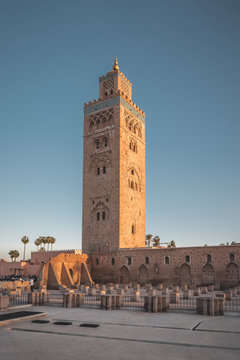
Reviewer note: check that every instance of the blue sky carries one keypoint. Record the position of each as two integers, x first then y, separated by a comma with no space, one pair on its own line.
182,57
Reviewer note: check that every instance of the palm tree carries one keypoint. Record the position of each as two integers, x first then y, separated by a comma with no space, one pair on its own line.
38,242
172,244
156,240
25,240
53,240
11,254
148,239
14,254
44,241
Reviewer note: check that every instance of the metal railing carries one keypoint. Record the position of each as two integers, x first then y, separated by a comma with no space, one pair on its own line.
55,299
184,304
15,299
133,301
233,305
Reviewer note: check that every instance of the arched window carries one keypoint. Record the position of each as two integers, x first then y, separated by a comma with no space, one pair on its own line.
130,146
232,257
110,119
140,133
146,260
106,142
134,129
167,260
130,126
98,216
132,172
134,148
98,123
133,229
111,91
129,260
103,215
98,171
91,125
97,144
136,187
209,258
97,261
106,94
104,169
104,120
132,185
187,258
113,261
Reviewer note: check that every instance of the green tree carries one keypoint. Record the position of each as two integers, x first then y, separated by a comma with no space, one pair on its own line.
53,240
11,254
25,240
38,242
44,241
14,254
156,240
148,239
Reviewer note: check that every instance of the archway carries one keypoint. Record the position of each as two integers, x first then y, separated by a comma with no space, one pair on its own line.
124,275
208,274
143,274
232,276
185,274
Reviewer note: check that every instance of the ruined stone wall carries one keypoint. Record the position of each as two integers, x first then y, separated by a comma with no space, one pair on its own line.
191,265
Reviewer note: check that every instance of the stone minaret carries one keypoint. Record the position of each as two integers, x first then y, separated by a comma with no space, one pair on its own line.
113,168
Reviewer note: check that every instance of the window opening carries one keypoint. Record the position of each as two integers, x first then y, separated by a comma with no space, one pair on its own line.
146,260
98,171
209,258
166,260
98,216
113,261
104,169
103,215
97,261
187,259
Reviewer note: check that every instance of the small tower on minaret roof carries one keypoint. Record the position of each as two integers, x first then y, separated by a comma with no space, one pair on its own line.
115,65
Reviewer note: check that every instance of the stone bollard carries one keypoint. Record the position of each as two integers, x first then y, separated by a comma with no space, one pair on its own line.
92,292
126,288
196,292
4,302
120,291
116,286
86,289
79,300
103,287
119,301
35,298
97,287
108,302
149,287
174,298
160,287
103,302
210,306
210,288
186,294
204,290
228,294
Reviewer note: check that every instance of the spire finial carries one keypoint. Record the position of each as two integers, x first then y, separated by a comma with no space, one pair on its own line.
115,65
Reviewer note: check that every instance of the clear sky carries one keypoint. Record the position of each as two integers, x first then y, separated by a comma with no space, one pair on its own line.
183,58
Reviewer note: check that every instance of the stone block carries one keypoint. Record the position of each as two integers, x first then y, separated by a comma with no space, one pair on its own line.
4,302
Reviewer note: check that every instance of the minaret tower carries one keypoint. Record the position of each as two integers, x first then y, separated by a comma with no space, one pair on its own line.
113,168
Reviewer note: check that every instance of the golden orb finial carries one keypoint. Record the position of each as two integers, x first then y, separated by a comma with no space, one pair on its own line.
115,65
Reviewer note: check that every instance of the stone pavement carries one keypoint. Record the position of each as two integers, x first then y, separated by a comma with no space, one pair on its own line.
122,335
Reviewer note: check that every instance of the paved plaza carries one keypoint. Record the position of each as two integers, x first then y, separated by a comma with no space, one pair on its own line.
122,335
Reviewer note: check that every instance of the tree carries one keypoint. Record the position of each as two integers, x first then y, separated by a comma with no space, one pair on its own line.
233,243
44,241
53,240
156,240
14,254
148,239
38,242
172,244
42,249
48,242
11,254
25,240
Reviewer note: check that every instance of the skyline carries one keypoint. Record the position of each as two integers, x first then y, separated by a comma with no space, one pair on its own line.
183,61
